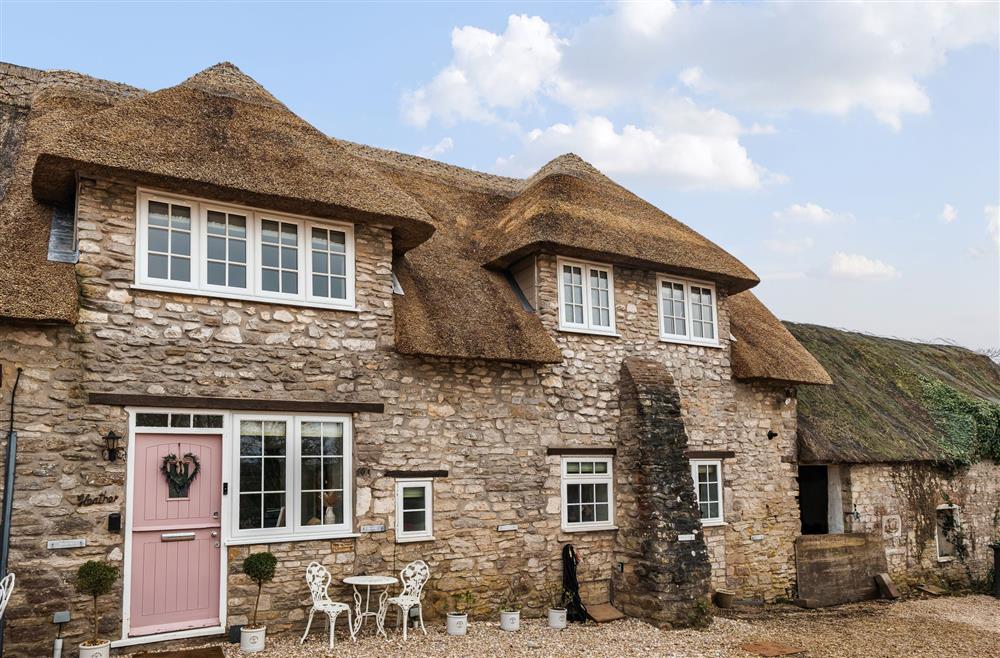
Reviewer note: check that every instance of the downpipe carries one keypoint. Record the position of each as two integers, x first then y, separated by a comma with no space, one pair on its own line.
8,494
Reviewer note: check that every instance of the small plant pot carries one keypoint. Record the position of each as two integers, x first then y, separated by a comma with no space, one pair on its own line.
100,650
557,618
510,621
724,598
252,638
458,623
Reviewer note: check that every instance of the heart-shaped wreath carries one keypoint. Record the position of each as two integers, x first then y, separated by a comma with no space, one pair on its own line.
179,473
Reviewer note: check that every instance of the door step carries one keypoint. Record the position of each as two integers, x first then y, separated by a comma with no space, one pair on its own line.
604,612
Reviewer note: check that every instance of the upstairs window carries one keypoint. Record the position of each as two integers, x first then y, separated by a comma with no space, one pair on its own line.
707,476
688,311
586,297
242,253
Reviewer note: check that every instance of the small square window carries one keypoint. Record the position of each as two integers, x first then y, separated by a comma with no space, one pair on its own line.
414,505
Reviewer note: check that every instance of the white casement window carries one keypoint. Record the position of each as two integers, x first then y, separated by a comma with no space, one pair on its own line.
586,297
242,253
948,530
688,311
292,477
414,510
588,497
707,476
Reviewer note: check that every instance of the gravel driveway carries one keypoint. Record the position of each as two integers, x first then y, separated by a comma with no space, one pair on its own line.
954,627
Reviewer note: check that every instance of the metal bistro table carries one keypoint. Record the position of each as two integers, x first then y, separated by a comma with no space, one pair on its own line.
368,582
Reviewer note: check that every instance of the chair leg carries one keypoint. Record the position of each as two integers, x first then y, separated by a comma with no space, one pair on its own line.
333,630
350,626
420,613
406,621
308,624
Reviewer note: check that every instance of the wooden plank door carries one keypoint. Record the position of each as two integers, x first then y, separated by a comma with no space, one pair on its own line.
176,541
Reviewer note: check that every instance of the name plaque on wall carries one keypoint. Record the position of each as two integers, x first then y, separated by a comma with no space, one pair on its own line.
66,543
685,537
507,528
380,527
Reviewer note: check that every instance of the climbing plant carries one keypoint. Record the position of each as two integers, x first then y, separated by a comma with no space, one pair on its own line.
969,426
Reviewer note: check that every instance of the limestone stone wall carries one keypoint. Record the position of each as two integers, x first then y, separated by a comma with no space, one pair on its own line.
488,424
898,502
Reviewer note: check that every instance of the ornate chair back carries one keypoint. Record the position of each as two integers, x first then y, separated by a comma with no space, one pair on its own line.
6,589
414,577
318,579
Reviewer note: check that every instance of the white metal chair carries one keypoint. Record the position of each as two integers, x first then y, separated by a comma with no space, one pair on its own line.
6,589
319,579
413,576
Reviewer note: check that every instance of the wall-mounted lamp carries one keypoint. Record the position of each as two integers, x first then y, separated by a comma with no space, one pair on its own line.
771,434
112,447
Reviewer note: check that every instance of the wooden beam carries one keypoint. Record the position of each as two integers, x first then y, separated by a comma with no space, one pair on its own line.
710,454
233,404
581,451
416,474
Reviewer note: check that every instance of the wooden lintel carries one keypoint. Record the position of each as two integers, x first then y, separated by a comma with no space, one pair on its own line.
569,450
710,454
233,404
416,474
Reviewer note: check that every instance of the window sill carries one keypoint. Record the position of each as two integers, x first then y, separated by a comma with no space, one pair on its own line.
212,294
414,540
590,332
713,524
690,343
281,539
603,528
946,559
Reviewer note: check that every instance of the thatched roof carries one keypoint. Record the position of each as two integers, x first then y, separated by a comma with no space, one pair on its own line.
220,134
896,401
570,207
764,349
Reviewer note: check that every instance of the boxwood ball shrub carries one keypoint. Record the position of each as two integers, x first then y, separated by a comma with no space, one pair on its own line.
260,569
94,579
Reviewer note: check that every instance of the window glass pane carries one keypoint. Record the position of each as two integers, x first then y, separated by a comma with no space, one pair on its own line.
414,498
250,511
587,514
238,276
269,280
333,502
289,234
180,269
414,521
312,508
151,420
338,288
274,510
319,262
157,267
180,420
586,467
586,493
180,243
338,242
573,514
338,265
319,239
216,247
238,226
180,217
289,258
269,231
311,472
320,288
573,493
269,256
572,467
289,282
216,223
158,213
602,512
310,444
216,274
159,239
250,474
274,473
207,420
333,473
600,467
601,493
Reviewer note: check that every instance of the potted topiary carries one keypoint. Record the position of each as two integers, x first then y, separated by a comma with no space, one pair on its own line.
557,613
458,619
510,611
260,568
94,579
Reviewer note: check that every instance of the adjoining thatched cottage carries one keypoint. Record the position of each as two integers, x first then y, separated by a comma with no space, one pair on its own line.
903,451
330,330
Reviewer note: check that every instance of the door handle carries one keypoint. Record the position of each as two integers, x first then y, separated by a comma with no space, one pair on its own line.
215,533
215,515
177,536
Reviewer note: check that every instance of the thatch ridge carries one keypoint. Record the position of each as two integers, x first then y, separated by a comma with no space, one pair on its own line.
877,409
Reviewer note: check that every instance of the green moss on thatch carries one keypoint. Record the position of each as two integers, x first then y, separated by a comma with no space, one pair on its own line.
897,401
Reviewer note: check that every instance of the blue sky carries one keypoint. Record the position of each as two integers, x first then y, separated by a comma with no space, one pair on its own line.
849,154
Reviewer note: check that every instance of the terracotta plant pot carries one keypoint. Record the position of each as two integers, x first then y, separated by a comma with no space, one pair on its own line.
724,598
252,638
557,618
102,650
457,623
510,621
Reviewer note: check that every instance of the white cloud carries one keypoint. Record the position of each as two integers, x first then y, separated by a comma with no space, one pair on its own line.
948,213
793,246
440,148
993,222
683,159
856,266
809,213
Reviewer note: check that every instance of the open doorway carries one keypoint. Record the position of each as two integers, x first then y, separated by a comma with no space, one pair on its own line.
814,499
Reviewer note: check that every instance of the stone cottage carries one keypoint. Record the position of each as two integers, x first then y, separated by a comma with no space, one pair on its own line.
369,358
899,464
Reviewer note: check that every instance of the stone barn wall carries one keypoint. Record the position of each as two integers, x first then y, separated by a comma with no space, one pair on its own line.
488,424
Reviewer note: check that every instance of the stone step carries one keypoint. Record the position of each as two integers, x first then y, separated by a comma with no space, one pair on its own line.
604,612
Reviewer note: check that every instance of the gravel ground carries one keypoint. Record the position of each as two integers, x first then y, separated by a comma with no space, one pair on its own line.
953,627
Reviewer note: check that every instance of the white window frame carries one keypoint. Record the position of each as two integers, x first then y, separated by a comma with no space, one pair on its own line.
937,537
711,521
427,534
587,326
253,291
292,530
687,338
586,478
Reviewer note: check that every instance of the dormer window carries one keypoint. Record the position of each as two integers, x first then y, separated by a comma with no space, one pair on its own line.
586,297
688,311
185,245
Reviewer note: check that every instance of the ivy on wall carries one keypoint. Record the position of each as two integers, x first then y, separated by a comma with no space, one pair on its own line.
969,426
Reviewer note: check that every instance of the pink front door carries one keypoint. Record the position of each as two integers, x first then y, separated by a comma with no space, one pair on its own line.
175,540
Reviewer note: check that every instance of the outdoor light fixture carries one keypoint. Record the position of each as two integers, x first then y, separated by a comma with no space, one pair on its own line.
771,434
112,448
